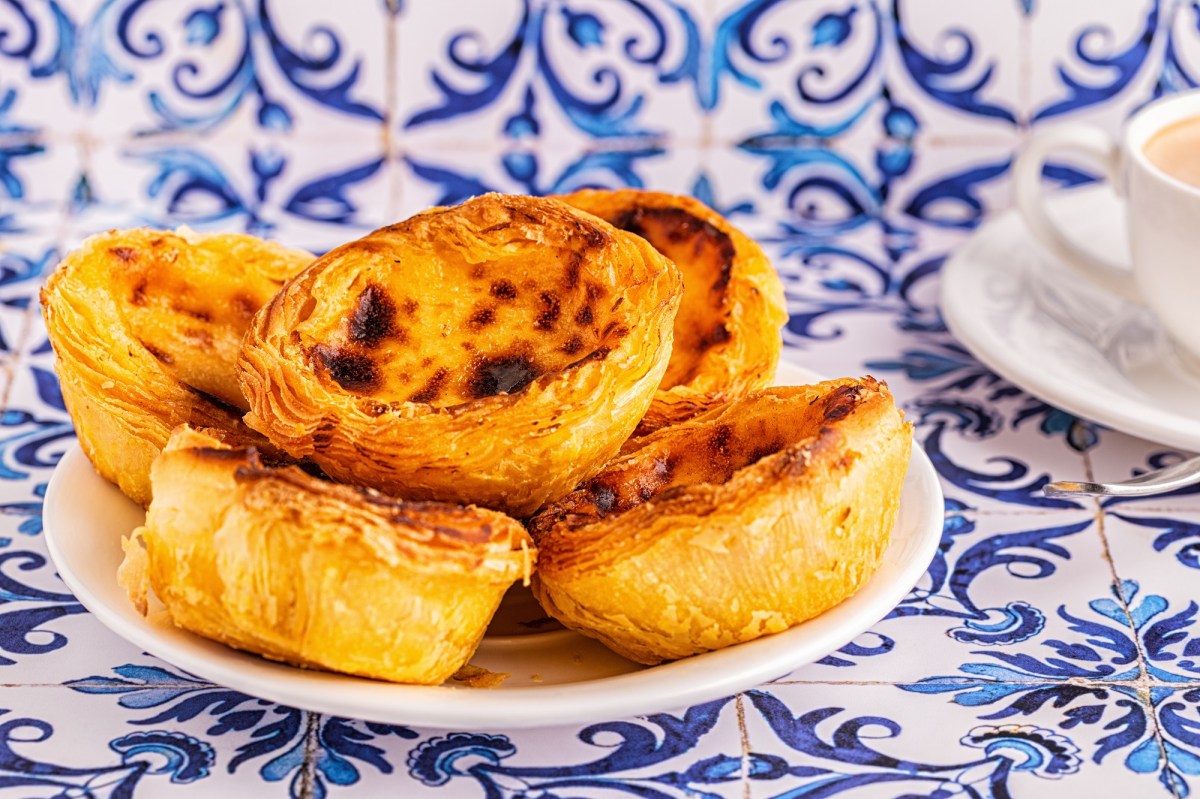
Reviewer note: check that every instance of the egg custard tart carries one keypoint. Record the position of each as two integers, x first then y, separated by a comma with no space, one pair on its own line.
146,326
727,339
495,352
741,522
302,570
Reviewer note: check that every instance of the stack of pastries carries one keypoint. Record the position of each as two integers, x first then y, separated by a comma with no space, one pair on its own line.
346,461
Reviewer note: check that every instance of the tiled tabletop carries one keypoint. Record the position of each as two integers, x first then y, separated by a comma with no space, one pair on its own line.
1053,647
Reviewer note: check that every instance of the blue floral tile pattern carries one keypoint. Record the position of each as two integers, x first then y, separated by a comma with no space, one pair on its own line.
1053,646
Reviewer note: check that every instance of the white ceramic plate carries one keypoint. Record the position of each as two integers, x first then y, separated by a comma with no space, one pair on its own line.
558,677
1030,319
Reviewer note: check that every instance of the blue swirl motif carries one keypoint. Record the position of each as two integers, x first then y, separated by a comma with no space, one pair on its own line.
1105,655
842,761
284,734
1175,74
635,754
1008,481
21,41
470,82
945,590
1119,68
955,81
1177,536
181,758
20,279
112,42
823,280
522,168
188,187
818,81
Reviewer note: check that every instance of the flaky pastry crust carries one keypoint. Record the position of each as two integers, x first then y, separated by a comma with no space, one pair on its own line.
146,326
727,339
495,352
741,522
297,569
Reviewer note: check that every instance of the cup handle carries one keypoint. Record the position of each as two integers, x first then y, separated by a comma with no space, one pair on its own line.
1031,200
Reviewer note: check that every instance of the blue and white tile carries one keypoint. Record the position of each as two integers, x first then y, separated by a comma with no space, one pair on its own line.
175,737
257,185
788,70
1095,62
675,755
1157,558
35,89
550,69
804,192
1008,598
148,67
38,179
884,741
440,175
956,67
953,187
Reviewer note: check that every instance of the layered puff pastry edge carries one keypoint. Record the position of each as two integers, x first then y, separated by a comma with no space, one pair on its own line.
741,522
146,326
298,569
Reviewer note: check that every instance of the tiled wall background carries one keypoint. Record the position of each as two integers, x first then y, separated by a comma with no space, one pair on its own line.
803,118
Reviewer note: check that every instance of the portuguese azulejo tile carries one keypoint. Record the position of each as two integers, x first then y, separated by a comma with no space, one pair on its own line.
1097,64
133,67
956,67
872,740
1021,598
792,70
253,185
677,755
551,69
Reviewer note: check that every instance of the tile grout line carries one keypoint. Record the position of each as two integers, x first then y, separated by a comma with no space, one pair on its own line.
1144,682
744,734
307,776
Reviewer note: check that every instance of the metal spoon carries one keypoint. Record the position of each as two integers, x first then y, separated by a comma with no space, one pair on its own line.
1159,481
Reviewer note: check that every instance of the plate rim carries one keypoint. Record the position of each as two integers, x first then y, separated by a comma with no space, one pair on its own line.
961,273
660,688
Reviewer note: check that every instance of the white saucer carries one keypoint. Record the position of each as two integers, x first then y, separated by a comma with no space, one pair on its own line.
1029,318
558,677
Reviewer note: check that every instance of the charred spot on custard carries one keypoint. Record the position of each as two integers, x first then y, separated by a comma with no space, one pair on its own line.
841,402
351,370
679,226
718,442
504,290
573,346
432,388
505,374
126,254
159,355
550,311
584,316
202,316
481,318
766,450
373,318
138,297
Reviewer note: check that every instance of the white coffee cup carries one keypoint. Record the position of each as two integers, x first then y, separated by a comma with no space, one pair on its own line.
1162,214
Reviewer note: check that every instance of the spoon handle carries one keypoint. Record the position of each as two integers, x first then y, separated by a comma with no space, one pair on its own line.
1159,481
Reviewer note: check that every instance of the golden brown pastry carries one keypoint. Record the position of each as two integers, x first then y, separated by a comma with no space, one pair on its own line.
727,340
146,326
741,522
312,573
496,352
